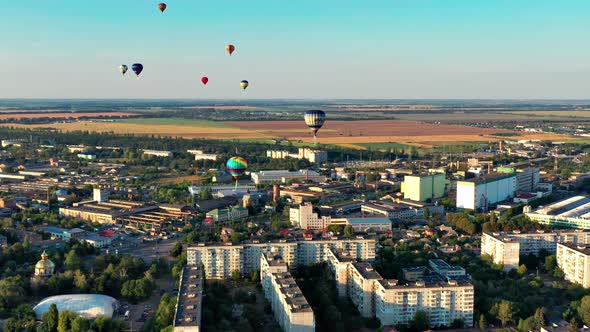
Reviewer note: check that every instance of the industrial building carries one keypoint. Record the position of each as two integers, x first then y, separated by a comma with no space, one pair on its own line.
158,153
573,212
222,259
506,248
228,214
574,261
481,192
290,308
363,225
284,176
200,155
187,314
423,187
135,215
400,210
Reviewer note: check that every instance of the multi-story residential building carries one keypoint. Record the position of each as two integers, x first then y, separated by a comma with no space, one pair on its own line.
423,187
506,248
527,179
187,314
483,191
393,303
443,301
314,156
304,217
574,261
283,176
573,212
288,304
221,260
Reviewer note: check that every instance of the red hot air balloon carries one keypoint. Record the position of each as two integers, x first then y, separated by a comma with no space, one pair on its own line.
162,6
204,79
230,48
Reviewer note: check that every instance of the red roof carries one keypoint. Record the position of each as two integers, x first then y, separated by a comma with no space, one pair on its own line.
284,232
107,233
208,220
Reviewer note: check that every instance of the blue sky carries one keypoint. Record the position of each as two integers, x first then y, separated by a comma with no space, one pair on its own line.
297,49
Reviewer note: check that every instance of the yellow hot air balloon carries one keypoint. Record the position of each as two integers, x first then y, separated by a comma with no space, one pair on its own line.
244,84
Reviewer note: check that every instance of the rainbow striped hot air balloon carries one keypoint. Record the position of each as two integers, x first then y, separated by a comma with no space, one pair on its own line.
315,119
236,167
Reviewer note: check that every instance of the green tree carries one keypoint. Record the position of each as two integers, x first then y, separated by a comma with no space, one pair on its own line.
483,322
550,263
348,231
80,281
584,309
504,311
573,326
420,322
206,193
177,250
73,261
80,324
51,318
521,269
65,321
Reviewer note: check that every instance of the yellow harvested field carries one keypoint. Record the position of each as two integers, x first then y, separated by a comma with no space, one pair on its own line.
151,129
343,133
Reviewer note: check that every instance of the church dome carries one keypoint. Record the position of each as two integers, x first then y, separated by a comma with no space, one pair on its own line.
45,266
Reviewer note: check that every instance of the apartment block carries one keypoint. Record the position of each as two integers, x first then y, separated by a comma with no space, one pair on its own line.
220,261
393,303
290,308
574,261
304,217
506,248
187,314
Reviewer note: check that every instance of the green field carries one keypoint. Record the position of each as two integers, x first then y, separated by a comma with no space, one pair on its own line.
176,122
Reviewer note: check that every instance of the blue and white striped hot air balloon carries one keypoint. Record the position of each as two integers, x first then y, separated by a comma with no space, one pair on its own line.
315,119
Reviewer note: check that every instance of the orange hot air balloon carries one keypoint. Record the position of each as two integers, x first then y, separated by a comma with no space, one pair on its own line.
162,6
230,48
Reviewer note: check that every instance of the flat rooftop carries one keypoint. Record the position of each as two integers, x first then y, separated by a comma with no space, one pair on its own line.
291,292
489,178
573,207
366,270
581,249
190,297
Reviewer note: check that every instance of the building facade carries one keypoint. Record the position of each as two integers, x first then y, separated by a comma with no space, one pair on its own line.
506,248
483,191
423,187
269,177
574,261
573,212
304,217
290,308
220,261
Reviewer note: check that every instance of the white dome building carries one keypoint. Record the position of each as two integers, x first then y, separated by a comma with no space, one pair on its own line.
86,305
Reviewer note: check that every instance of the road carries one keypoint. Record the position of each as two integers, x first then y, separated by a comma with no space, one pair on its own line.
148,251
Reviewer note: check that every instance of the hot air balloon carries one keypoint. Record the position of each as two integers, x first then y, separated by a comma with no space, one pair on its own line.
137,68
162,6
236,167
315,119
123,69
230,48
204,79
244,84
